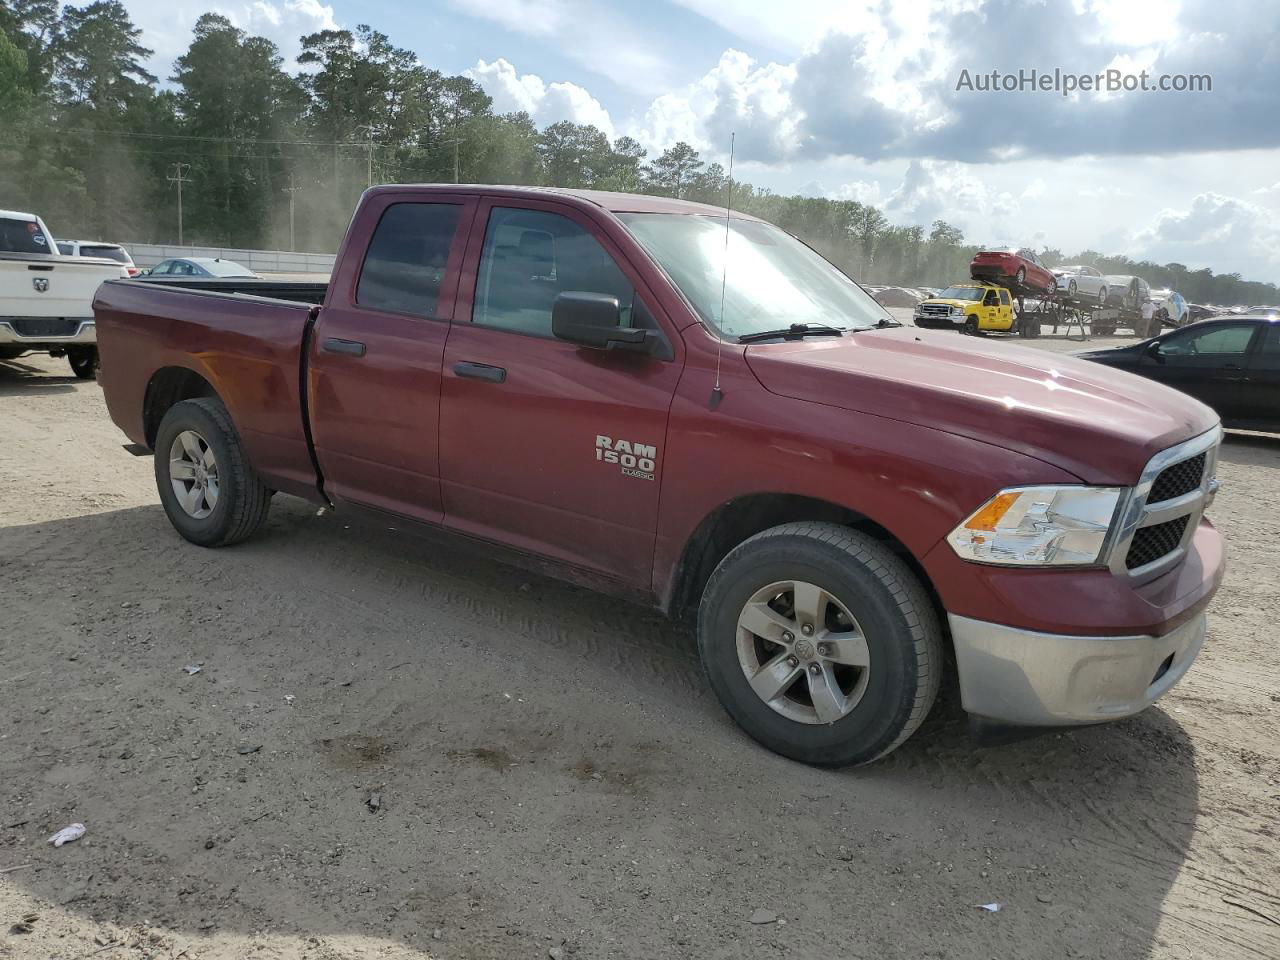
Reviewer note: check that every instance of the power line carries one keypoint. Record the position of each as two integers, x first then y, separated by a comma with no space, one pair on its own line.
183,136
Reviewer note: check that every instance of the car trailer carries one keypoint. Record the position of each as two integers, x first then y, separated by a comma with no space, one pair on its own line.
1082,316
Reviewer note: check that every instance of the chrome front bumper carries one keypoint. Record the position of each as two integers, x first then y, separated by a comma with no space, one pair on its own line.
86,332
1044,679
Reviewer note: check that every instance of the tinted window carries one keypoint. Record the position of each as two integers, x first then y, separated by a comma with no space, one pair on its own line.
111,253
1218,341
1268,356
1004,296
404,268
66,249
530,257
990,299
22,236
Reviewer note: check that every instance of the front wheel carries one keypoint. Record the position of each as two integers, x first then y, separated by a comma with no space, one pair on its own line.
821,643
209,492
84,362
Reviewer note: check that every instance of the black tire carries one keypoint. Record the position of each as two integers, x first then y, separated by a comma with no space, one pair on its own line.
242,499
970,327
903,636
84,362
1071,289
1021,276
1102,297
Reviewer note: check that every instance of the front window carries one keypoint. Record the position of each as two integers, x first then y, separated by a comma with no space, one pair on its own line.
770,280
972,294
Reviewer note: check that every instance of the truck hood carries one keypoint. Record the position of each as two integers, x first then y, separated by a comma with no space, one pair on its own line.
1100,424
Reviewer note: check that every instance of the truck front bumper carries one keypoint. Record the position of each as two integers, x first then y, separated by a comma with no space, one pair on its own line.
36,332
1026,678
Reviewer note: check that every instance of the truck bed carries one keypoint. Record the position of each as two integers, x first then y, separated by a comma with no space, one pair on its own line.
297,291
244,339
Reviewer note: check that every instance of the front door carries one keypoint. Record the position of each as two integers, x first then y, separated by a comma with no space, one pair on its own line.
1207,362
546,446
376,353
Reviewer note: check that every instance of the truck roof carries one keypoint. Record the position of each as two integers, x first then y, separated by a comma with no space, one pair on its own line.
16,215
608,200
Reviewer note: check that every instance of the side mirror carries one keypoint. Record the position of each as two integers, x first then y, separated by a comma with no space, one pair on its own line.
592,320
1153,351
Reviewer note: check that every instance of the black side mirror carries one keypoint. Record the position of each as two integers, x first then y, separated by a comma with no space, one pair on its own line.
592,320
1153,351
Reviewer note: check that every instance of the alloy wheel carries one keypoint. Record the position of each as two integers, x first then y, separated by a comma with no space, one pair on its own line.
193,472
803,652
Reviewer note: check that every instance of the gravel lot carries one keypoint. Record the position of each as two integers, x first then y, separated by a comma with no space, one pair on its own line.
551,776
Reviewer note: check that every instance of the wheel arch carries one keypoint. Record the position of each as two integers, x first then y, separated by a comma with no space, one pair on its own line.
169,386
743,517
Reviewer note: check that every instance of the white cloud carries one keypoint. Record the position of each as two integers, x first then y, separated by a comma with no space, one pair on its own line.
1217,230
738,96
545,102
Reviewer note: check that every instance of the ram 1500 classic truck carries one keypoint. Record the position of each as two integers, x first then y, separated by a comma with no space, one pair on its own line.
695,408
45,297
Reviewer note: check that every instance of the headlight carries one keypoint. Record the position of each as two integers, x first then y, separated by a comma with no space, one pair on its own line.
957,311
1039,526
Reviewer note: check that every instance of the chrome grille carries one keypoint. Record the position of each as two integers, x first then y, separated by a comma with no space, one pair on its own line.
1151,543
1178,480
934,310
1161,513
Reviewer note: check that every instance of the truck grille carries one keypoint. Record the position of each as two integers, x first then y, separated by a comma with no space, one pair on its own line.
1156,527
1152,543
934,310
45,326
1178,480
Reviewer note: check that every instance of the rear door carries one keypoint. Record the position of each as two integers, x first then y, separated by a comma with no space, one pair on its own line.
376,352
1262,389
547,446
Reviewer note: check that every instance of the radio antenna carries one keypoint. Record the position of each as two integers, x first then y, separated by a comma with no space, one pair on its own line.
716,393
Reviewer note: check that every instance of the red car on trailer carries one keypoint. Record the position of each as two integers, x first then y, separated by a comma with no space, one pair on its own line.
1020,270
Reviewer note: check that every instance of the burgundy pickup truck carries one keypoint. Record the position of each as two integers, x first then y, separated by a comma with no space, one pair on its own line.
699,411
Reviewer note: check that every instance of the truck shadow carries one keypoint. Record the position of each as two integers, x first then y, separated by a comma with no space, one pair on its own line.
544,764
18,378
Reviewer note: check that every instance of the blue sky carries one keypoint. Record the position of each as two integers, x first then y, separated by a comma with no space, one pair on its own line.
858,98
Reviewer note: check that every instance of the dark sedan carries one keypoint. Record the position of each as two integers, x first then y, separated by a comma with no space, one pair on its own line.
1232,364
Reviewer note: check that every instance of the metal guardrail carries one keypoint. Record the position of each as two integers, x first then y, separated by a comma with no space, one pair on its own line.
259,261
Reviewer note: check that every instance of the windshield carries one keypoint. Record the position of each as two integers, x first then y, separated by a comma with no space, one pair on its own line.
770,279
961,293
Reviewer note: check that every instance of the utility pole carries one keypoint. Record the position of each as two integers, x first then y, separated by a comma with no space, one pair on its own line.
177,177
369,158
291,190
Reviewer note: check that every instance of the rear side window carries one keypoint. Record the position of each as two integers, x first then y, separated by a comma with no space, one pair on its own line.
1268,357
67,249
405,266
1004,296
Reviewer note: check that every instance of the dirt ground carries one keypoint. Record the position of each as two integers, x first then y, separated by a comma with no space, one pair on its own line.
551,776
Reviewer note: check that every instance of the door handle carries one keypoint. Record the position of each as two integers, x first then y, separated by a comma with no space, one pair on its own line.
480,371
353,348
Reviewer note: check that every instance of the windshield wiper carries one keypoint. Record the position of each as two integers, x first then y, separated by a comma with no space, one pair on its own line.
796,330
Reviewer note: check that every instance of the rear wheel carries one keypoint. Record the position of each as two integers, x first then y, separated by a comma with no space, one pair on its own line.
209,492
84,361
820,643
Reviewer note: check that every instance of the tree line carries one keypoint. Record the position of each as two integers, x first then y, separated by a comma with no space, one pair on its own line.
269,157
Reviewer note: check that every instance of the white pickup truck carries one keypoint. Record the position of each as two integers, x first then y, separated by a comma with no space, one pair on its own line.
46,299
